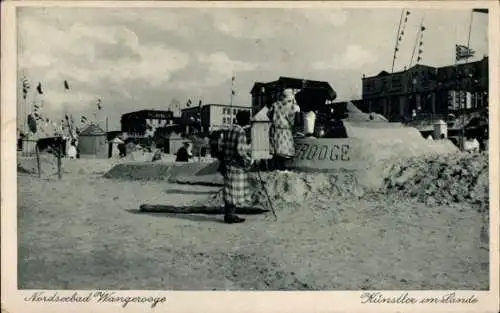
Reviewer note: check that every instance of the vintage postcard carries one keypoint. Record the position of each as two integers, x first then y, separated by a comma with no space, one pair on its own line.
250,156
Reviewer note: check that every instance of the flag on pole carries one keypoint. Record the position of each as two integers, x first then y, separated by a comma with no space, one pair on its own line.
188,103
99,104
463,52
66,85
232,78
83,120
39,88
484,11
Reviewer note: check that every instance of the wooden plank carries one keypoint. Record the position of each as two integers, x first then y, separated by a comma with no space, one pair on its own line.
160,208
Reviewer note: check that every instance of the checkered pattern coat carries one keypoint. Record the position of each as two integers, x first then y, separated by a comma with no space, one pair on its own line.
282,116
236,155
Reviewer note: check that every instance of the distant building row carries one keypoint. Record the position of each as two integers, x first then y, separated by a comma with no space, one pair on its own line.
208,118
427,89
421,89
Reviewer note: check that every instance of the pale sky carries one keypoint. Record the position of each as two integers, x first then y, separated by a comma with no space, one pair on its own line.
142,58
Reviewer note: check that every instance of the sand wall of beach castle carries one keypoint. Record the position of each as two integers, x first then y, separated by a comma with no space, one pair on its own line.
369,151
364,159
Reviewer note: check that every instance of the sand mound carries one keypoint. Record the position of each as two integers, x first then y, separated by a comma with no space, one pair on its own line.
442,179
48,165
434,179
298,188
382,143
154,171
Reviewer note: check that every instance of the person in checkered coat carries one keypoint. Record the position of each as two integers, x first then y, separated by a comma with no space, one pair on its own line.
282,115
235,162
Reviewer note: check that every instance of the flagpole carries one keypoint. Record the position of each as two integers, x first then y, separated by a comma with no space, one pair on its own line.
23,114
231,99
397,39
416,41
462,132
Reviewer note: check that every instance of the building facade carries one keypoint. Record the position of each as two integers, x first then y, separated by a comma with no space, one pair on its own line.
139,123
266,93
210,117
426,90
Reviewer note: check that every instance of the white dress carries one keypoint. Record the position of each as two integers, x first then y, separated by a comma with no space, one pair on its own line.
72,152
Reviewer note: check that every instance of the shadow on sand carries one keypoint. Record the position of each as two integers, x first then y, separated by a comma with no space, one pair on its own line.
192,213
192,192
188,217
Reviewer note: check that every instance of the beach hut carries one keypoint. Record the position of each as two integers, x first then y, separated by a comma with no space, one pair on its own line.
174,141
260,125
93,142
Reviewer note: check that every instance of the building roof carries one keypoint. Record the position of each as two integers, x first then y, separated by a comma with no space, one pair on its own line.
292,82
160,113
92,130
261,116
411,69
217,105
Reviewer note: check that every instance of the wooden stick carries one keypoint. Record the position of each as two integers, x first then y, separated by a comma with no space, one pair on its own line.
37,152
159,208
59,156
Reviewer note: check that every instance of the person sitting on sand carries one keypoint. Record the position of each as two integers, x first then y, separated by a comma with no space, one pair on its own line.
184,153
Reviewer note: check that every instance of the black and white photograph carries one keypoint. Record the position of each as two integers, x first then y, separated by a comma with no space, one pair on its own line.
253,148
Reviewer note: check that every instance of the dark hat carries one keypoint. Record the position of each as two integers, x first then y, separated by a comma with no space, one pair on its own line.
243,117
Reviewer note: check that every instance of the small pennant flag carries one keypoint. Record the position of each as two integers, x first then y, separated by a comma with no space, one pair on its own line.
26,87
463,52
422,28
26,83
419,58
232,78
233,92
39,88
66,85
407,13
421,43
99,104
188,103
420,51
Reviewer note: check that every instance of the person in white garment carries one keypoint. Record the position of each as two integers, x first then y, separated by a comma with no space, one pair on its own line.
72,150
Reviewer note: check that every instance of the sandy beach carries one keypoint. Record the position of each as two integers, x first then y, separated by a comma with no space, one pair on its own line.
85,232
